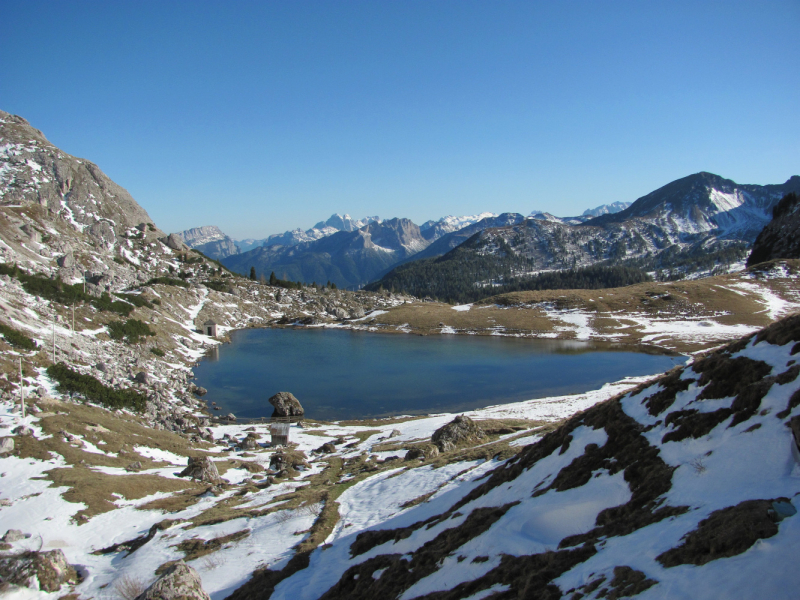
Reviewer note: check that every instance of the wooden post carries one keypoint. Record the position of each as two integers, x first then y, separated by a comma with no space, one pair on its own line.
21,391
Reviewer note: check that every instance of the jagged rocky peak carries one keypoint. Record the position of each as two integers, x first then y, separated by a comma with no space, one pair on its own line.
34,171
346,222
211,241
398,235
322,229
202,235
450,224
606,209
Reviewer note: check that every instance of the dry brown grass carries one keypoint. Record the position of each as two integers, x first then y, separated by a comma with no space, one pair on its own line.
113,434
129,587
518,312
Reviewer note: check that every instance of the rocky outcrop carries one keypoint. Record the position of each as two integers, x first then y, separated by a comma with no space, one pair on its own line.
286,405
73,189
460,431
174,241
45,571
178,582
6,445
201,468
779,239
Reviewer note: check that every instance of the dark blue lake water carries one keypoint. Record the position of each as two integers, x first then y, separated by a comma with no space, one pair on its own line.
353,375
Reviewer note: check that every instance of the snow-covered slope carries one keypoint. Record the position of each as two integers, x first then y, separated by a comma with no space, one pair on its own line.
684,488
705,202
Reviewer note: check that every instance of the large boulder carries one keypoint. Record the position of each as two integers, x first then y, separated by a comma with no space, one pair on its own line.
178,582
460,431
174,241
286,405
201,468
45,571
66,261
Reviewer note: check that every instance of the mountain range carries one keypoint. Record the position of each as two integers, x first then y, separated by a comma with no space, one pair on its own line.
692,225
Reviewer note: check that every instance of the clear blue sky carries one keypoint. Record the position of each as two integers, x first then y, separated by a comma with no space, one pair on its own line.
265,116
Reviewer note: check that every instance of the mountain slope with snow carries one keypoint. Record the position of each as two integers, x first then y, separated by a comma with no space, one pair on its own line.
685,487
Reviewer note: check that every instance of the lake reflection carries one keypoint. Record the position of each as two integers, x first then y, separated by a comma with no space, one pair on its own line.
352,375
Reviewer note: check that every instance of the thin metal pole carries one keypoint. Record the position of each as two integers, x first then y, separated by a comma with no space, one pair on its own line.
21,391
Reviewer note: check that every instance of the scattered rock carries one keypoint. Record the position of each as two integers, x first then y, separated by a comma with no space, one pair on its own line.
395,433
45,571
134,467
461,430
326,448
22,430
67,261
286,405
142,377
250,442
6,445
14,535
423,452
202,469
200,391
178,582
229,417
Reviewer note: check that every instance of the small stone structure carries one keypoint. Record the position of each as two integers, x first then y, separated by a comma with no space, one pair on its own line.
279,429
210,328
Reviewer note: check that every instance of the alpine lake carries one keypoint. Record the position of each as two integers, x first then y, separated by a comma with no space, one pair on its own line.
342,374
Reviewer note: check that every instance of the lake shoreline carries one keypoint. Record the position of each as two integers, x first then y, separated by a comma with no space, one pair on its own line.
367,377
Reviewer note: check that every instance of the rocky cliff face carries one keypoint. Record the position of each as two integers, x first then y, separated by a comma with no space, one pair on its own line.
781,237
33,171
211,241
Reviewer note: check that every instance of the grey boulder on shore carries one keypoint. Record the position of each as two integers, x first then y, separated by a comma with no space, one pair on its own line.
286,405
459,431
